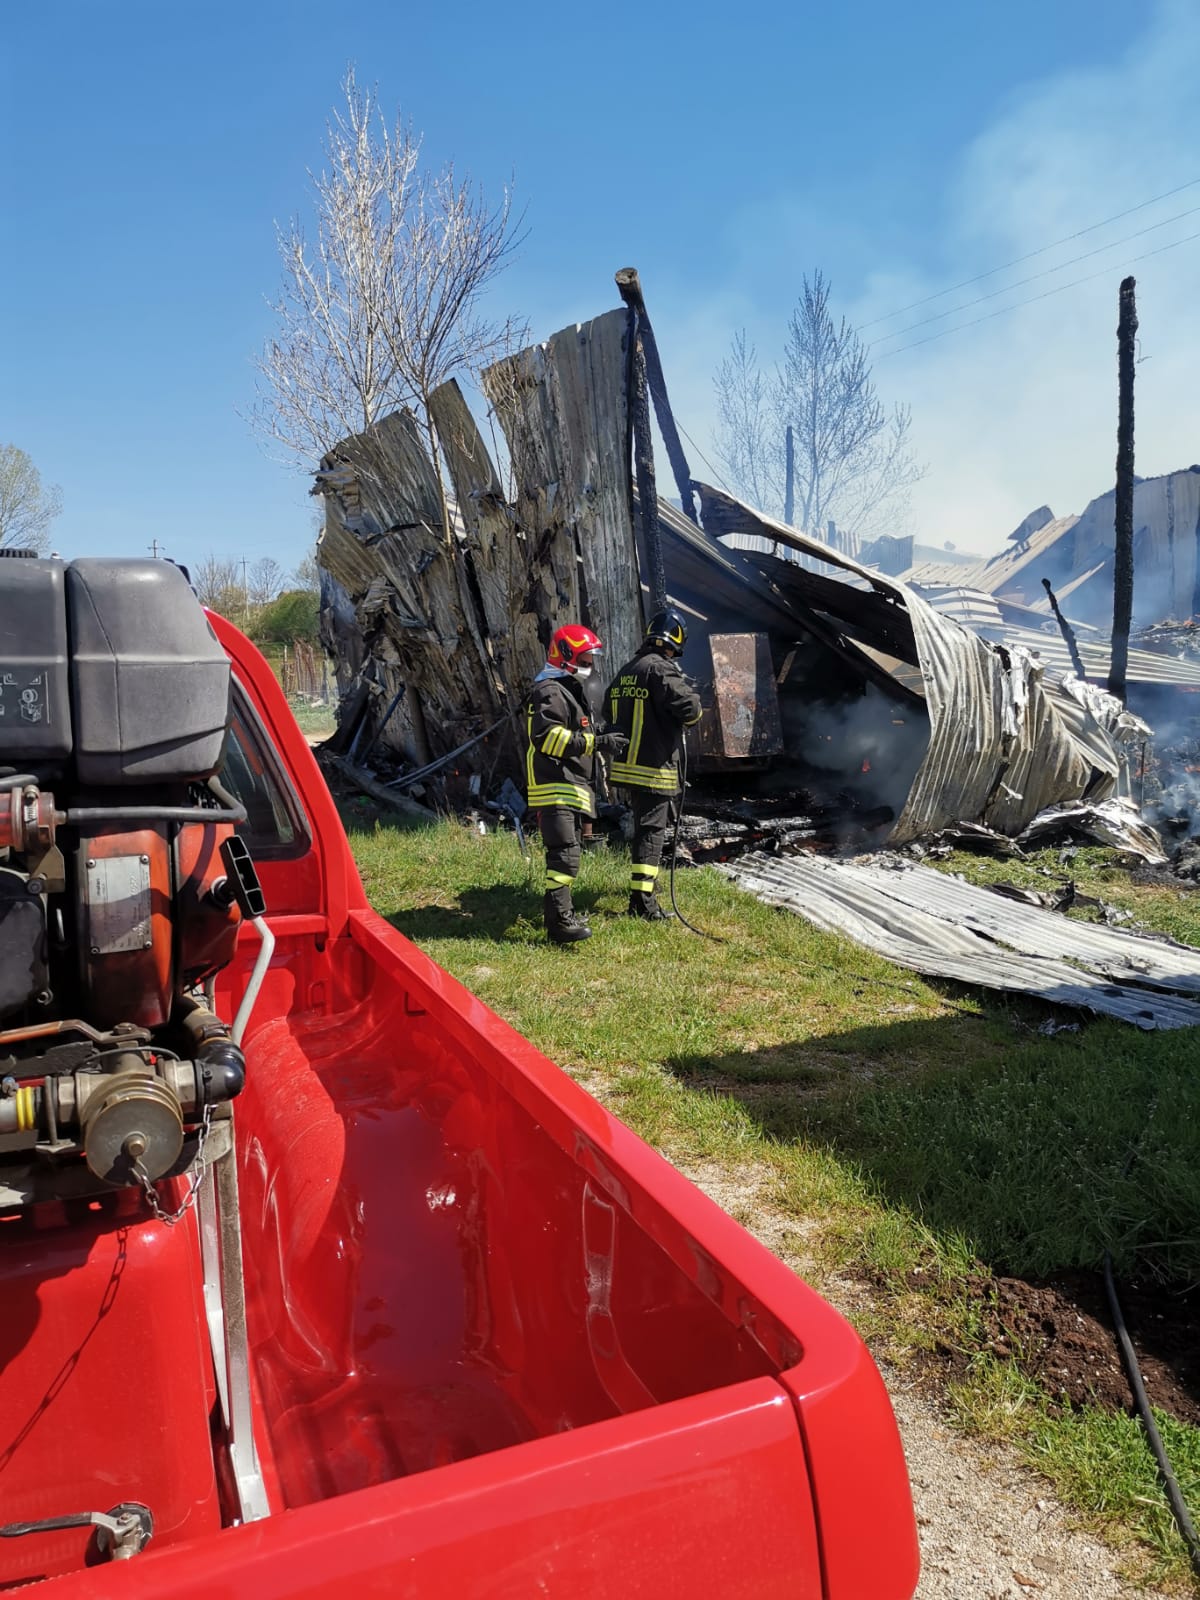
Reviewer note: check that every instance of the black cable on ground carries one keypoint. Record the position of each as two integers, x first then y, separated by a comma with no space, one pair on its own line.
715,937
1133,1372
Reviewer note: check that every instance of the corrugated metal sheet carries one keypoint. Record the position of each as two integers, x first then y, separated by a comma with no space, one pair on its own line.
1065,592
999,750
1001,570
1075,553
939,925
980,612
727,584
1166,514
1145,666
970,607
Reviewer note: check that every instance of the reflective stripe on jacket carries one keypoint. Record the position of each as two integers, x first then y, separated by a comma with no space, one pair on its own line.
559,755
651,702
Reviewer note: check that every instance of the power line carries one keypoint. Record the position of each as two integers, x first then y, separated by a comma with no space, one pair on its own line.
702,456
1020,260
1046,272
1045,295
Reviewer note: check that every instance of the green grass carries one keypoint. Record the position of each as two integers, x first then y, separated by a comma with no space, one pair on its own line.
315,720
1098,1461
916,1132
1095,871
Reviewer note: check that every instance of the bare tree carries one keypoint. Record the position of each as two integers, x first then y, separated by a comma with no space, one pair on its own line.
853,458
307,574
265,582
385,304
745,441
27,505
218,585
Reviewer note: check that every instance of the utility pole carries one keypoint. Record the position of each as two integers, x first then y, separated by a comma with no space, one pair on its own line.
1127,324
245,596
789,478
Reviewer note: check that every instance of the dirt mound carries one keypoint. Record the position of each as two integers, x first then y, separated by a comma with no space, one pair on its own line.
1060,1332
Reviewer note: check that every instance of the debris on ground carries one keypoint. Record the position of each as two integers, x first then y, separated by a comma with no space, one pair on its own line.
944,927
1111,822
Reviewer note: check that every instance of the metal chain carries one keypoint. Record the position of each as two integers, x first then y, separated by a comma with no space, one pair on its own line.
199,1173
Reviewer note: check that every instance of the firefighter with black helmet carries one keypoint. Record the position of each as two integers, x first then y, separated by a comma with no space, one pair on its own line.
651,703
559,762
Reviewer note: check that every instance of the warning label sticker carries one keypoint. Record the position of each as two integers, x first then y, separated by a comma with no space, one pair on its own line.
23,697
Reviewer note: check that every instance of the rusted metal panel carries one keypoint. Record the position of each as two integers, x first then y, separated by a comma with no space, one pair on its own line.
745,719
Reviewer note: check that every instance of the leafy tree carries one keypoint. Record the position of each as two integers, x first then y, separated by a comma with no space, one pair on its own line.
853,459
294,615
27,506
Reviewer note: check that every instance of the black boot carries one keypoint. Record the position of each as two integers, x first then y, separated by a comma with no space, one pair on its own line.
646,908
562,925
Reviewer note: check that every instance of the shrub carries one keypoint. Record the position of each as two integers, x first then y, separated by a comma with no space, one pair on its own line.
293,616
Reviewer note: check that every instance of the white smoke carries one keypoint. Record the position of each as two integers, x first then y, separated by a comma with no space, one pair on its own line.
1021,409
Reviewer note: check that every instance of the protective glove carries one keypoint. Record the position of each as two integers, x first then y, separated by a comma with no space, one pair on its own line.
611,743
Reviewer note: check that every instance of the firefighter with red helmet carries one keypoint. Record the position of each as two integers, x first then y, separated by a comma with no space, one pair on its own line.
651,703
559,762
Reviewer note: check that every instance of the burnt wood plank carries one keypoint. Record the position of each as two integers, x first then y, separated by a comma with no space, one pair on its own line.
563,408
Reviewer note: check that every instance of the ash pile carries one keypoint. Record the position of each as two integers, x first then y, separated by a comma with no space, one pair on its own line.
714,831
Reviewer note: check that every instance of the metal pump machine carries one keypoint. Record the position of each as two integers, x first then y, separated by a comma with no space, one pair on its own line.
120,875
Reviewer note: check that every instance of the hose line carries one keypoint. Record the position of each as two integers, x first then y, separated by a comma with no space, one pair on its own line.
79,816
1133,1372
704,934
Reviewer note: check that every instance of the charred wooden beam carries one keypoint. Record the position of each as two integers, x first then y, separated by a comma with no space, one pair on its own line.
643,461
387,797
630,288
1067,631
1127,325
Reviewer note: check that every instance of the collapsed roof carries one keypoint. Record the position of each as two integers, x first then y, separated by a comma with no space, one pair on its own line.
1076,554
445,610
1005,741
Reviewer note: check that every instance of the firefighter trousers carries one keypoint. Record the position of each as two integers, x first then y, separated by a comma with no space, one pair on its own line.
560,828
653,819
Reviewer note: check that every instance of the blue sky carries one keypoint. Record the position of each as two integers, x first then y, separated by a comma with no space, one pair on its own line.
149,150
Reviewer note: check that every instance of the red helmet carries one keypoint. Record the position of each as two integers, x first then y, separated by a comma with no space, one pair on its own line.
571,642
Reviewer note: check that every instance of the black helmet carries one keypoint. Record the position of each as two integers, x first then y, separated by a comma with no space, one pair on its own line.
668,627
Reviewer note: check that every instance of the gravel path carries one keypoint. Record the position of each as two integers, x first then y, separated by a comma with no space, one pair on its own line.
990,1528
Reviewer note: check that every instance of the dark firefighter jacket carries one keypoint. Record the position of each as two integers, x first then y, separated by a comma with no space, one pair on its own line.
651,702
559,757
